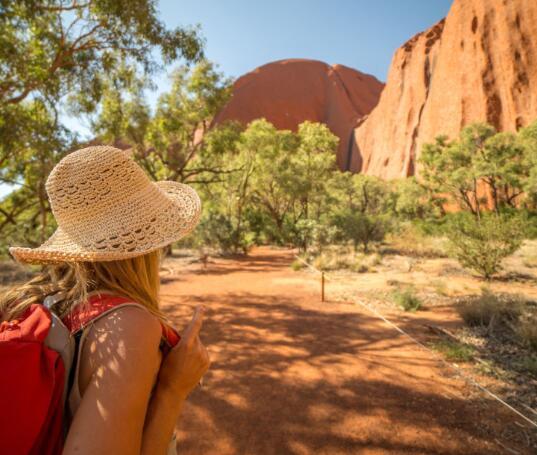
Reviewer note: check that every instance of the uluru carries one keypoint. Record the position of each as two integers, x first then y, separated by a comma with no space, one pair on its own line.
288,92
477,65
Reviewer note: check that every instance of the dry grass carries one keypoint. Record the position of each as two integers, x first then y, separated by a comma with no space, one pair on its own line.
490,309
342,258
527,332
411,242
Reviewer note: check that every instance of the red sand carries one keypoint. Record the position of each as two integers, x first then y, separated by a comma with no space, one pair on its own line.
291,375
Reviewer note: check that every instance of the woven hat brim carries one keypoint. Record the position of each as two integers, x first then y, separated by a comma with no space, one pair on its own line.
60,247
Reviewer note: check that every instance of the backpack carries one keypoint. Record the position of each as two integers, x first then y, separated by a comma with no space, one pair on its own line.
38,354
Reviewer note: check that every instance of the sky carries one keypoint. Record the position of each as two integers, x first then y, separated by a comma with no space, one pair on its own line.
363,34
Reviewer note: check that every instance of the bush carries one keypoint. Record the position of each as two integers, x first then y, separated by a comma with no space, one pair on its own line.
217,230
333,260
489,310
365,263
454,351
409,240
527,364
482,244
360,229
359,267
411,199
325,261
296,265
527,332
407,299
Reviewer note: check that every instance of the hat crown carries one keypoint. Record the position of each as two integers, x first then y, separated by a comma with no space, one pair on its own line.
93,180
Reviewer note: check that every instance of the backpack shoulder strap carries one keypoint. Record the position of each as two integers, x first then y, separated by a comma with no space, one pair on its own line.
97,306
102,304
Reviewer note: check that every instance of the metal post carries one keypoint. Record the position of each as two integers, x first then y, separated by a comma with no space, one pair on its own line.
322,286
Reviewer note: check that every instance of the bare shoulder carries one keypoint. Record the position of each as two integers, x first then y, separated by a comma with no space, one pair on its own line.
125,341
131,323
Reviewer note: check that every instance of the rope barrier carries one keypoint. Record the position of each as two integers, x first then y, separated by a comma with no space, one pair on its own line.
459,371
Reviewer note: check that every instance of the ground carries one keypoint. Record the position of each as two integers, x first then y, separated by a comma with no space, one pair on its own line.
293,375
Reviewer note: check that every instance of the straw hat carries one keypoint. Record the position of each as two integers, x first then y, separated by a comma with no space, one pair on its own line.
108,209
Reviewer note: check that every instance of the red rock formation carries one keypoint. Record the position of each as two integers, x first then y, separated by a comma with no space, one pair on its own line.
478,65
288,92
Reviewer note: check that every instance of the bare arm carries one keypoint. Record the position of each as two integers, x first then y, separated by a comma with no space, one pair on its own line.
119,363
180,372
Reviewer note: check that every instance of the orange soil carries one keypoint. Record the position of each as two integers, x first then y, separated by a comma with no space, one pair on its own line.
292,375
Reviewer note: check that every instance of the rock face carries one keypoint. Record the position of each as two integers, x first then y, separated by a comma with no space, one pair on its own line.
288,92
479,64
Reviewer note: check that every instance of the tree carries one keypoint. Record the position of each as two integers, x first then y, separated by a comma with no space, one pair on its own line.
359,192
447,169
481,167
482,244
500,164
171,144
358,205
272,180
51,48
411,199
312,165
56,54
26,211
527,138
360,228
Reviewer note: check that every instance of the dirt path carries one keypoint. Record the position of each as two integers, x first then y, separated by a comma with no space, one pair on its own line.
290,375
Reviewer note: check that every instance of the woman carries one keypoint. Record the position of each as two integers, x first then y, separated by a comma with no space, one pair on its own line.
113,222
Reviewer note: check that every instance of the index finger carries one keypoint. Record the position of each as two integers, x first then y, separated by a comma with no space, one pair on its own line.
194,326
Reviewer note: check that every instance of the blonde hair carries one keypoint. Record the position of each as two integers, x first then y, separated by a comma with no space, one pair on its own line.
135,278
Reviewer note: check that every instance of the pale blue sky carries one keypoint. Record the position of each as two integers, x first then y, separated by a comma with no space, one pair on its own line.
362,34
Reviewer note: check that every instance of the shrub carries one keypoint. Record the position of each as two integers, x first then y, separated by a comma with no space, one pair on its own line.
440,287
360,267
489,310
411,199
375,259
454,351
407,299
411,241
482,244
296,265
527,332
217,230
365,263
360,229
528,364
329,260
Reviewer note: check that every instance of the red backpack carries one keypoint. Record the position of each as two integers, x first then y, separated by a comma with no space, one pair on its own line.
37,353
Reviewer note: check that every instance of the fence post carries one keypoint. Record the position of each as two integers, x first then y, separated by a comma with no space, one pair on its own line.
322,286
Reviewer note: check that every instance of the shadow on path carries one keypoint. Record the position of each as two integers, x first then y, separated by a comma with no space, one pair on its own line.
291,376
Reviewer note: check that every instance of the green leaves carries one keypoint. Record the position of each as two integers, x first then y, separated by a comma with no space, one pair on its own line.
481,168
482,244
50,48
